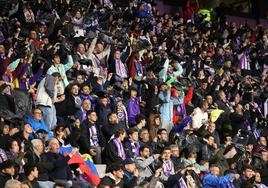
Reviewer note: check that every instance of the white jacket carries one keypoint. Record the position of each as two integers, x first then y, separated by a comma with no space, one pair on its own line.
46,91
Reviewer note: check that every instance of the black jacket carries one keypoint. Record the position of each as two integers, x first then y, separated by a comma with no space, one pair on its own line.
109,129
109,180
4,178
84,140
110,154
237,122
42,163
102,113
67,107
61,168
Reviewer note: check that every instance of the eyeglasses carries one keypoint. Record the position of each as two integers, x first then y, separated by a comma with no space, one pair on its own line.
38,112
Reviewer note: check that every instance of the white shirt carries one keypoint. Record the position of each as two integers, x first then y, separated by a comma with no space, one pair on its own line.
199,118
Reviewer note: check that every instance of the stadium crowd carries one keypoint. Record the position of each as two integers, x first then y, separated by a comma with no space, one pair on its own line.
175,101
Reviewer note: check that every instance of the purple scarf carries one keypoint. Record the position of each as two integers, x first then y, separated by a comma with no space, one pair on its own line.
84,114
94,137
168,168
120,69
119,148
135,148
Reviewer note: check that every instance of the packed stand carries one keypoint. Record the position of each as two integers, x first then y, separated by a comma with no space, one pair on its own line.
171,101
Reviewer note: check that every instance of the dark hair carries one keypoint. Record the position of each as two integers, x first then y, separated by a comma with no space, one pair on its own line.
160,131
166,148
85,85
72,85
28,168
144,147
202,103
260,138
133,89
208,135
245,167
246,184
55,54
111,113
58,128
189,152
116,166
56,74
118,132
9,144
59,185
225,137
90,112
139,118
132,130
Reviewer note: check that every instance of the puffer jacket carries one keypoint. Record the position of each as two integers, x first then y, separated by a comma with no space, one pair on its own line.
46,91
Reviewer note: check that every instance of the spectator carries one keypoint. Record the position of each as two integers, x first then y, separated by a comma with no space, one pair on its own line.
7,172
133,107
113,125
13,184
82,112
31,174
132,146
131,173
114,150
145,163
60,68
46,96
43,166
213,178
61,172
92,140
115,176
140,121
201,116
168,165
37,122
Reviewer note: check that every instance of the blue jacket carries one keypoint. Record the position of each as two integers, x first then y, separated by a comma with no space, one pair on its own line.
211,181
166,107
179,127
38,125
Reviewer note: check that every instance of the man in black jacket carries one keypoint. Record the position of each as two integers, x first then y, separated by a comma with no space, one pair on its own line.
72,102
61,173
114,150
7,172
237,119
31,174
113,124
114,177
91,140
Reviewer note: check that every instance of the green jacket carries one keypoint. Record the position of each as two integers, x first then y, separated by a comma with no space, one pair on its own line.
62,69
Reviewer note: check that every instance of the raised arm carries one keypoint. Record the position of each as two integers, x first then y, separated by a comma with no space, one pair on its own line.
69,63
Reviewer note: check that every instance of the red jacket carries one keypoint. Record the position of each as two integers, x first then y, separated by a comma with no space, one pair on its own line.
190,10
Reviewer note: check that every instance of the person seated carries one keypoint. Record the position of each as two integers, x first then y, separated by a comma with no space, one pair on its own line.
7,172
61,173
114,176
37,123
31,173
